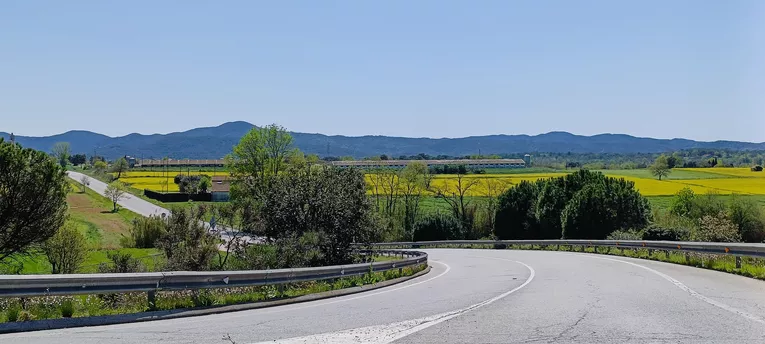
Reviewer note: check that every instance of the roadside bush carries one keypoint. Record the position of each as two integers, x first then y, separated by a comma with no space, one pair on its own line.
515,217
658,232
25,316
144,232
186,242
437,227
603,207
12,313
66,250
748,218
625,235
67,308
121,263
757,168
716,229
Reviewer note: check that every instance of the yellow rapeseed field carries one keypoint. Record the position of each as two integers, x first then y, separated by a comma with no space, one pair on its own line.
153,180
741,181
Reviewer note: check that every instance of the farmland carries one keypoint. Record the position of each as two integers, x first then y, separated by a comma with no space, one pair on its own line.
160,181
723,181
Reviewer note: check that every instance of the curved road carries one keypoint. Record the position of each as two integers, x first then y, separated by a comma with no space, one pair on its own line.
488,296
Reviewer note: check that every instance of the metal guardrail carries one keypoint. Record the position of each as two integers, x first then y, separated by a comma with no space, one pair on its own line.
44,285
737,249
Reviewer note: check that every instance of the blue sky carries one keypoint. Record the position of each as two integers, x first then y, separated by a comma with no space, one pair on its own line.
679,68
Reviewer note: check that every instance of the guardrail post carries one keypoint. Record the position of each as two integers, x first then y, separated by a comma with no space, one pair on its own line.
687,258
151,297
666,252
738,262
650,252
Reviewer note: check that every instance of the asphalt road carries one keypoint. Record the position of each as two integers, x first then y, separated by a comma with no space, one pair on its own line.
146,208
488,296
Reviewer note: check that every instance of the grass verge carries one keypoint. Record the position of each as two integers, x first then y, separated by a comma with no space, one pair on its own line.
54,307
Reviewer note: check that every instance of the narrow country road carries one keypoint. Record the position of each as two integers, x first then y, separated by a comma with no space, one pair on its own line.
146,208
130,202
487,296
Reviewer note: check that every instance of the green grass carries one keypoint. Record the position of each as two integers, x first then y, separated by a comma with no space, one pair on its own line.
52,307
37,263
94,217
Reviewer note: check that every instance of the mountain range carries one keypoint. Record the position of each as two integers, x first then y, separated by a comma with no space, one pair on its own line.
216,142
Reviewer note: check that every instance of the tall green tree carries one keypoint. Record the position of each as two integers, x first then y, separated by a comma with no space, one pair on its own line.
32,198
120,166
660,167
259,156
323,208
515,217
62,152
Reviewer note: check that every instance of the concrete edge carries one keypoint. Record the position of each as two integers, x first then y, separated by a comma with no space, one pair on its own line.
53,324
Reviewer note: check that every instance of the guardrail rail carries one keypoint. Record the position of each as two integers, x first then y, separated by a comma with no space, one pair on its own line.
724,248
151,282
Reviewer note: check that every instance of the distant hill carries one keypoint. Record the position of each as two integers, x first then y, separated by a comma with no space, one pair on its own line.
215,142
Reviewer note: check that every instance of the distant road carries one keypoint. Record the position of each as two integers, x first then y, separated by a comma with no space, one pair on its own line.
487,296
130,202
141,206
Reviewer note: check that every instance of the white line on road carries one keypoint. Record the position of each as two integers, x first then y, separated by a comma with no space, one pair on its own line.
392,332
691,291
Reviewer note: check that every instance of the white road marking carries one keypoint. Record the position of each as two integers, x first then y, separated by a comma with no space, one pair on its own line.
391,332
691,291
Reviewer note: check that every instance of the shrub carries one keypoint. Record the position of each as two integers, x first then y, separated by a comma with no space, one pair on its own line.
437,227
120,263
757,168
67,308
12,314
25,316
603,207
716,229
625,235
748,218
658,232
187,244
145,232
66,250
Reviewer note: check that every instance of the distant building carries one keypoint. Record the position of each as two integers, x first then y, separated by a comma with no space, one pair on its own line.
130,160
221,189
469,163
527,160
178,162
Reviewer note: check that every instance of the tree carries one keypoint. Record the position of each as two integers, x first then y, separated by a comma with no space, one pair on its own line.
660,167
115,192
99,166
205,183
323,210
120,166
187,244
748,217
66,250
78,159
84,183
61,151
515,218
413,179
259,156
454,194
121,263
491,189
32,198
604,207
